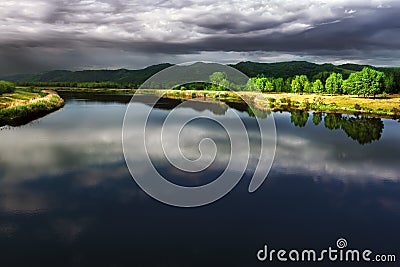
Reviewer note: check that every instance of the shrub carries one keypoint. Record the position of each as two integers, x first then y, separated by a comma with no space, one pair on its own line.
395,110
307,103
6,87
357,107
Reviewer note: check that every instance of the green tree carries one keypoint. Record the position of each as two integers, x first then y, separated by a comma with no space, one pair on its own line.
299,83
288,85
279,84
217,77
334,84
269,86
318,86
308,87
251,85
322,76
373,81
224,84
260,82
353,85
390,82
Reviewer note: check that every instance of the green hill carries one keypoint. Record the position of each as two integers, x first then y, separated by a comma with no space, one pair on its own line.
293,68
122,76
137,77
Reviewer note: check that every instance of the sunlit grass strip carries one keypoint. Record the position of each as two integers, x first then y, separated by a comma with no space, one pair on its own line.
389,106
23,113
18,97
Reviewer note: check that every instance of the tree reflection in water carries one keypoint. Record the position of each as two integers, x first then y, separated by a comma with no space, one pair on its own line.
364,130
299,118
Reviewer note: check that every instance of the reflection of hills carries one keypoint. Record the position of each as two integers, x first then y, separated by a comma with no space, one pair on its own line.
102,98
217,108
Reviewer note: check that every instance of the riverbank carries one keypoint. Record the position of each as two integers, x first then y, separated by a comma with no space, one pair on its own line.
388,106
23,106
380,106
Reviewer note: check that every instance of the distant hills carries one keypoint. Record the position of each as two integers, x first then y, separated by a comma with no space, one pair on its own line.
137,77
293,68
122,76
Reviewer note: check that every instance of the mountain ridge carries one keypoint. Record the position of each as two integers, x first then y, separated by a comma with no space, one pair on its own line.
136,77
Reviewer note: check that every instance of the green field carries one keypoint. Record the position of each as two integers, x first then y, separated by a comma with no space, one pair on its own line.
23,106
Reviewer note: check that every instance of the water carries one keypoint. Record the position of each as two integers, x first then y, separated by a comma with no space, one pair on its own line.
67,197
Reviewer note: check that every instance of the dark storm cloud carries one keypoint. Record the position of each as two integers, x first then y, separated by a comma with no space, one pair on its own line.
47,34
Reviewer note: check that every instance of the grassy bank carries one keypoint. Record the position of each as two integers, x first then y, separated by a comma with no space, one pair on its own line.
388,106
23,106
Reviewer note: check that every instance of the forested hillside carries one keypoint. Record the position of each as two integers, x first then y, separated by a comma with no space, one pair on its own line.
134,78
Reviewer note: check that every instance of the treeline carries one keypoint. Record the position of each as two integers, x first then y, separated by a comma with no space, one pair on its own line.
365,83
91,85
6,87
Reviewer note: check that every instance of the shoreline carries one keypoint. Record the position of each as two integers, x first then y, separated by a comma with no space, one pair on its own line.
343,104
20,112
388,107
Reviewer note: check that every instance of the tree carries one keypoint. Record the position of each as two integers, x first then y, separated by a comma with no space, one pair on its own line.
373,81
224,84
322,76
318,86
288,85
217,77
308,87
334,84
269,86
299,83
279,84
378,83
365,82
390,82
251,85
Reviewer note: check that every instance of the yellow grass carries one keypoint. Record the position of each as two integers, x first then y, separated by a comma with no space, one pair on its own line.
392,101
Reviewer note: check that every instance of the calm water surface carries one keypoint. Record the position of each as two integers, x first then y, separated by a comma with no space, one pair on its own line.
67,198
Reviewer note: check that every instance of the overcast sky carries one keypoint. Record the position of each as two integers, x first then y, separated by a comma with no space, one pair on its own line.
41,35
